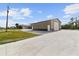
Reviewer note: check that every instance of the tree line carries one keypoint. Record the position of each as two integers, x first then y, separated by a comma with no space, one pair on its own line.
73,24
17,26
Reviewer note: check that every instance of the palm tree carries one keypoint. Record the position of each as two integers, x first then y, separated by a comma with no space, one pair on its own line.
17,25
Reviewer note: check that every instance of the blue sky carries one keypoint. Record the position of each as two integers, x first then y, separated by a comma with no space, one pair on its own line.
27,13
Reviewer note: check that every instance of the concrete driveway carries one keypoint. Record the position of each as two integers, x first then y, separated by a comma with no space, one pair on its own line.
64,42
36,32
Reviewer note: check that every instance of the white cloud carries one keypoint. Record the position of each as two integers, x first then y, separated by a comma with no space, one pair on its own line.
49,16
18,17
66,16
26,11
3,13
3,22
12,12
71,9
18,13
15,14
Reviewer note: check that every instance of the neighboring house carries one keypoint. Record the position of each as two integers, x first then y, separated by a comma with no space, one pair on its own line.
26,26
49,25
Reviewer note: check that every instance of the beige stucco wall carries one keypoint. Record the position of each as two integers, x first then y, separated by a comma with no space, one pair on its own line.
52,25
41,25
55,23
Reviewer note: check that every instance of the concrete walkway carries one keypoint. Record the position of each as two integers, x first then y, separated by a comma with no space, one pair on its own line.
64,42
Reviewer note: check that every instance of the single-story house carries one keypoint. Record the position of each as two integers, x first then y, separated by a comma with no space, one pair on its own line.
49,25
26,26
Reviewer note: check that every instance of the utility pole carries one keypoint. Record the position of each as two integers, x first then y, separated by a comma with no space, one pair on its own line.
7,18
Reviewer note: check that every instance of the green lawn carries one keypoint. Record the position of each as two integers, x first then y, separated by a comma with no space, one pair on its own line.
12,36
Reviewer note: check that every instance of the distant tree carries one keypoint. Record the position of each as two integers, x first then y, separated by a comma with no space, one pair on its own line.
20,27
17,26
12,27
66,26
76,22
73,24
71,20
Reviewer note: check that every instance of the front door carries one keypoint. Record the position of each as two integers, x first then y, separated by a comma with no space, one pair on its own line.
48,27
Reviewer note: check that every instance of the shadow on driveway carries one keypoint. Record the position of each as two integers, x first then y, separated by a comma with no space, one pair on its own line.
35,31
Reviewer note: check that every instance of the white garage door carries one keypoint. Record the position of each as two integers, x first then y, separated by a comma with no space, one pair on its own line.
56,26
